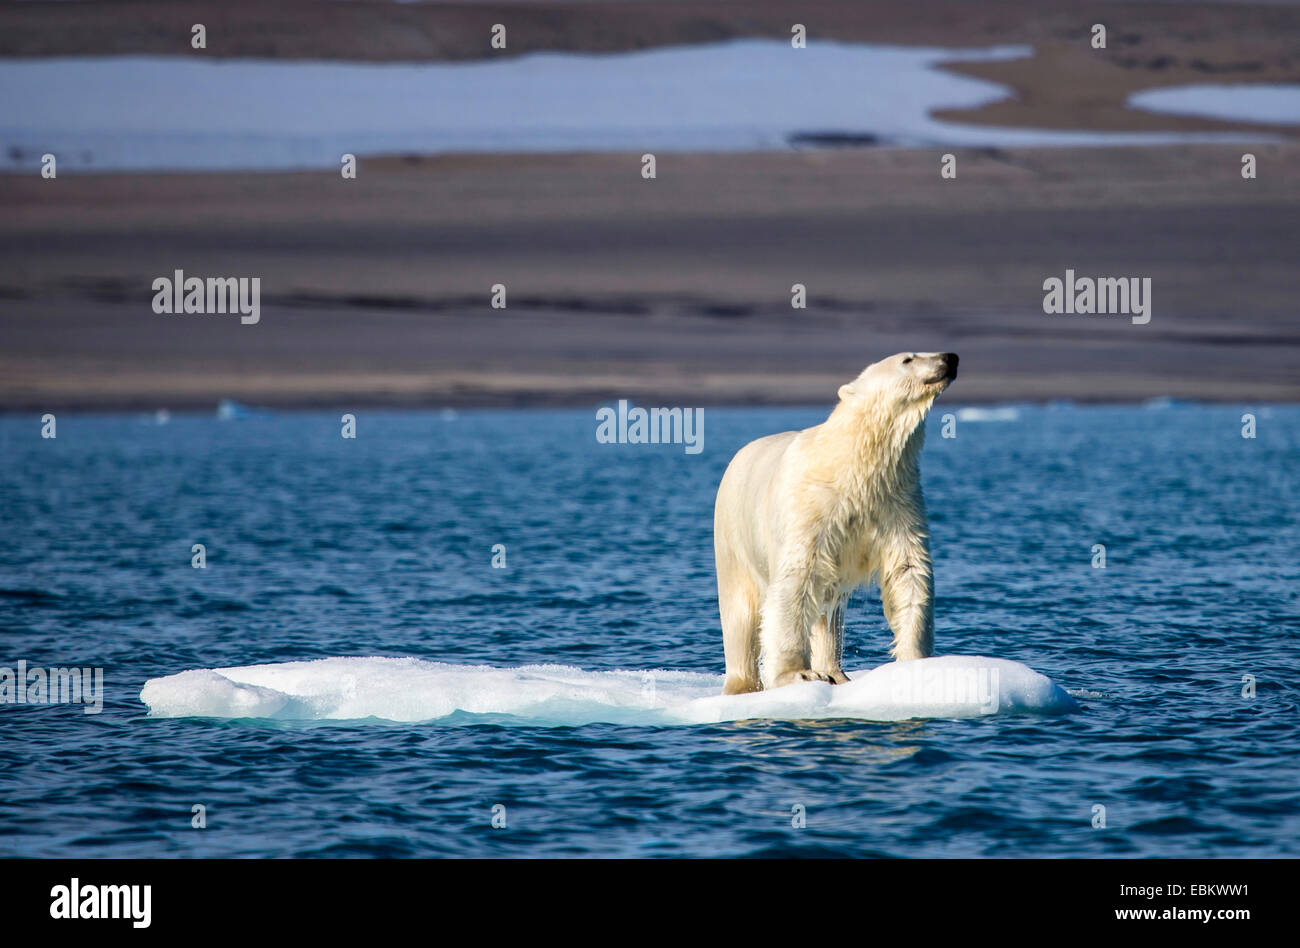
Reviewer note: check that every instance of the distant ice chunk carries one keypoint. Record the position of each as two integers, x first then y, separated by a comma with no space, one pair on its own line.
229,410
1164,403
409,690
1000,413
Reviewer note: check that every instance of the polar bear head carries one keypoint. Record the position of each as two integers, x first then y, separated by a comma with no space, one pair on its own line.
895,393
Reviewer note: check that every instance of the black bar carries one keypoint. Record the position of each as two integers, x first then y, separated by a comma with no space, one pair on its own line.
1021,899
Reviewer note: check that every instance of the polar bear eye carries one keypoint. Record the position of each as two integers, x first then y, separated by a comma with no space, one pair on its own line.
907,360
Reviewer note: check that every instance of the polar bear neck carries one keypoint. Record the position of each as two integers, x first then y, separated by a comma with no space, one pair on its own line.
880,447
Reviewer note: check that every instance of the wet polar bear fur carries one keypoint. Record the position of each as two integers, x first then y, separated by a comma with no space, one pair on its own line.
805,517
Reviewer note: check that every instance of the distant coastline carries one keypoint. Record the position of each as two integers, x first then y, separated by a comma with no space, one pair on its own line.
677,290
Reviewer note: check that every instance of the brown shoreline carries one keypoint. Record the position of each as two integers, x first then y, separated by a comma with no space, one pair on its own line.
376,291
676,290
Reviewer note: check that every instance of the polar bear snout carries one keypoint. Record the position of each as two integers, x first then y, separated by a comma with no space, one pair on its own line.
945,367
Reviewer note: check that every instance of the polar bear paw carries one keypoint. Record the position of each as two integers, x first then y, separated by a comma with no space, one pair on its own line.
805,674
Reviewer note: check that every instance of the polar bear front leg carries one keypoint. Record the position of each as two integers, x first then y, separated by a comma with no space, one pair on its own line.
907,595
789,611
827,641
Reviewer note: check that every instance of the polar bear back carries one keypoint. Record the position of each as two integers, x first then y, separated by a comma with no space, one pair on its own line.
791,491
750,512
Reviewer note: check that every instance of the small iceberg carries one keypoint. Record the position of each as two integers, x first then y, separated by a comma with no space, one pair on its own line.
1164,403
160,417
412,691
228,410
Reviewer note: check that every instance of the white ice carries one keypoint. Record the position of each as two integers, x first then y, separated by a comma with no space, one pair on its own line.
191,113
409,690
1266,104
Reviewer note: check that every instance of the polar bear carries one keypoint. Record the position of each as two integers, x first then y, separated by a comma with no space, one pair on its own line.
805,517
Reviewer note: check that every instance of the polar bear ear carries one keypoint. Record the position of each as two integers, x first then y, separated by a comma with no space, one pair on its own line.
847,391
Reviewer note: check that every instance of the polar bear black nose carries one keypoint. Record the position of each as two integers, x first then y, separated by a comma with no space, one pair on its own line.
950,363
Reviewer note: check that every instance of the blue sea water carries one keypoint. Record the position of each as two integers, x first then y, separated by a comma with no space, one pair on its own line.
319,546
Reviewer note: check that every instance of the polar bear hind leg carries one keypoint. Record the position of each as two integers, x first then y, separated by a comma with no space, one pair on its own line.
739,599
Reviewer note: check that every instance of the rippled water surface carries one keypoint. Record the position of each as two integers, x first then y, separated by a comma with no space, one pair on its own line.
319,546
